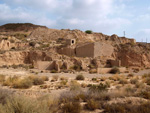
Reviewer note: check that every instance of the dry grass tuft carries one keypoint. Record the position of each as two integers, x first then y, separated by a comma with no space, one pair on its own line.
92,105
71,107
11,80
23,83
37,80
55,78
75,86
44,78
2,78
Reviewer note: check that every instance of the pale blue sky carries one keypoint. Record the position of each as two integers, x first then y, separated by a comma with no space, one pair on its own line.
106,16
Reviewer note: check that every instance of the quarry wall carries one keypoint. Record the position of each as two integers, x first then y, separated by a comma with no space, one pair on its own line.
85,50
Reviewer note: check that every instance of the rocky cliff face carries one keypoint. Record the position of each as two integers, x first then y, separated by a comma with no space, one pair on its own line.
134,55
13,57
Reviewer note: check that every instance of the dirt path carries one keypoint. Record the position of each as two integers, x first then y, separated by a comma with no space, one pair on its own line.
87,75
4,71
69,75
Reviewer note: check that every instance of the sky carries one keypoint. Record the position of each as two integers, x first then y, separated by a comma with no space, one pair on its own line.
105,16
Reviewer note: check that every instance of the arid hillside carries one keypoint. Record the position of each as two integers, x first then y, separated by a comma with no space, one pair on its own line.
69,50
14,27
46,70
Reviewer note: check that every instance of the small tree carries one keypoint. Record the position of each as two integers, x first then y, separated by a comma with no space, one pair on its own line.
88,31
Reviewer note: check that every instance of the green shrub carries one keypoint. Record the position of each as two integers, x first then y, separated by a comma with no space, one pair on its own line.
53,71
71,107
88,31
94,79
115,70
80,77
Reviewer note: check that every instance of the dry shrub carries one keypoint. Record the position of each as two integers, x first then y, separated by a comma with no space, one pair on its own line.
127,108
23,83
130,75
118,93
11,103
4,94
17,104
99,88
37,80
92,104
63,78
54,71
134,81
44,78
93,71
116,77
83,85
115,70
123,81
147,81
80,97
63,83
114,108
94,79
146,75
75,86
55,78
71,107
130,90
10,81
103,78
44,86
145,94
139,85
80,77
2,78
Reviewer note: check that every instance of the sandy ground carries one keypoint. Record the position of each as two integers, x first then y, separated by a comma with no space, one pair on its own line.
69,75
55,93
87,75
